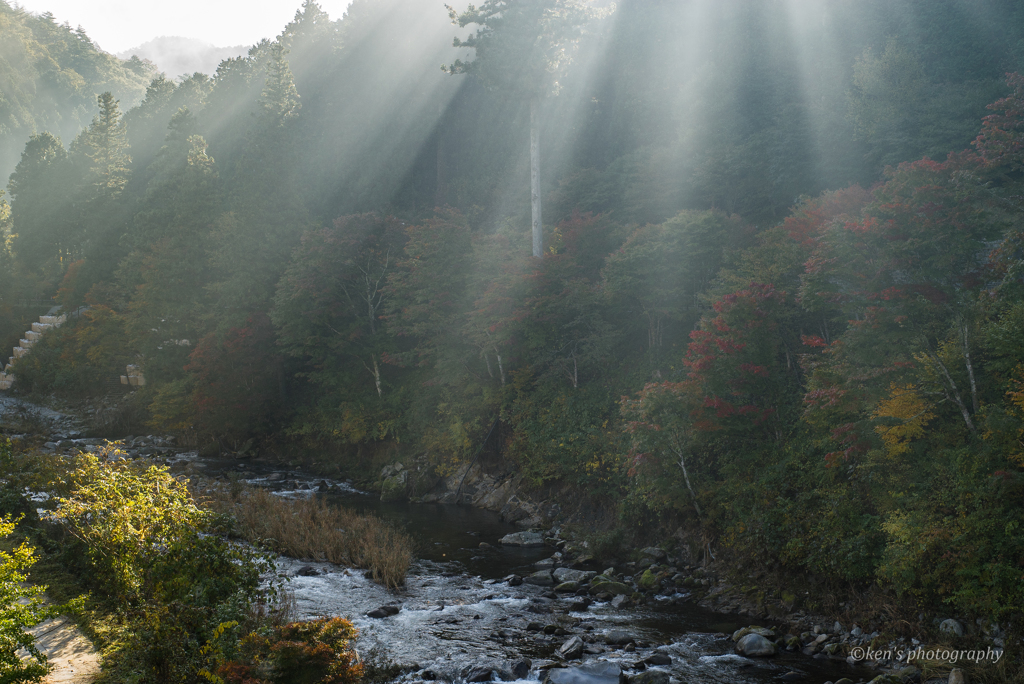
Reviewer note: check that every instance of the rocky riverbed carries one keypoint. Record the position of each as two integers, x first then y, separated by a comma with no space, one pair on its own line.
488,601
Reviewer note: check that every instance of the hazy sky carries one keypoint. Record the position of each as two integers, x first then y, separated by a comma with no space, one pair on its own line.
117,25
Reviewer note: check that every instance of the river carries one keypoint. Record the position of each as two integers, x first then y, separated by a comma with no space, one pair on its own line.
458,613
458,617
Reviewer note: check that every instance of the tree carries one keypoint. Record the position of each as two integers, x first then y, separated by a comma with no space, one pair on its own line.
107,147
331,299
42,189
908,275
658,275
523,48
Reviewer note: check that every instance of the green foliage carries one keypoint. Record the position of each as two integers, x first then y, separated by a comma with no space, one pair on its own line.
23,606
827,380
52,74
148,546
522,48
79,357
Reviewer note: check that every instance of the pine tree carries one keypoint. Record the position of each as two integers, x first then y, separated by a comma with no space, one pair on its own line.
522,49
107,147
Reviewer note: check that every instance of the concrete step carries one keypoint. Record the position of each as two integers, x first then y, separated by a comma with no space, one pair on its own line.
26,344
33,336
19,352
41,327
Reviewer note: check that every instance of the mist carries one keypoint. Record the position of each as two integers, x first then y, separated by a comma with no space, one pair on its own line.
749,270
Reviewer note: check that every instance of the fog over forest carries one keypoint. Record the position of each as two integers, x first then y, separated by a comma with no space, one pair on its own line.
752,271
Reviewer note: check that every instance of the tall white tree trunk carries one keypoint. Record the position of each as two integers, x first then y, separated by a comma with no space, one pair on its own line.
538,226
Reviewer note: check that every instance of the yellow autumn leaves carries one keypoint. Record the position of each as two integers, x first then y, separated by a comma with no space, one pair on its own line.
908,408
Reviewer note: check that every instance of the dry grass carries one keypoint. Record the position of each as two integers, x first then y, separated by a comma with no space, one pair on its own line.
310,528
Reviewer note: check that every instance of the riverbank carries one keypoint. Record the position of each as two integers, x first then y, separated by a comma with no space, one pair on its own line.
654,578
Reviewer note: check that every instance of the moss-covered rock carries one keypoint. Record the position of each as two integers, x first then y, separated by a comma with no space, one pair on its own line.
648,581
395,488
608,587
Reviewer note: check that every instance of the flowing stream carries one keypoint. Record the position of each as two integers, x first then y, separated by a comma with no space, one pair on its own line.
458,613
459,619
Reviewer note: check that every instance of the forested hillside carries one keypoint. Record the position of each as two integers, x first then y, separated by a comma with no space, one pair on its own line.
780,300
50,75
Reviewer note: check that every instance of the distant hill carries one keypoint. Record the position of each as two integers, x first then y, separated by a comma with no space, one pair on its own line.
50,75
175,55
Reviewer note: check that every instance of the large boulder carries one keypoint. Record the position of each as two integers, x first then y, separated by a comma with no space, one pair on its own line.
609,587
951,627
526,538
521,668
755,646
572,648
650,677
649,581
384,611
395,487
753,629
570,575
654,552
601,672
618,637
541,578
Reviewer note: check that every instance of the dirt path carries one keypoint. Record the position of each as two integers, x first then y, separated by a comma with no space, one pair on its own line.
73,657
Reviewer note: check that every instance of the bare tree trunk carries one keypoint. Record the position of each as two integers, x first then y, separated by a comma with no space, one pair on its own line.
501,367
970,366
686,476
375,372
955,395
441,189
538,226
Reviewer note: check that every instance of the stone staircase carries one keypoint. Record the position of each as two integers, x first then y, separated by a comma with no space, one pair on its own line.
31,337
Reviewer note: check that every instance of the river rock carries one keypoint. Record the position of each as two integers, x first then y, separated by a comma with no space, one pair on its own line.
755,646
753,629
956,676
513,580
951,627
649,581
654,552
567,587
570,575
383,612
571,649
650,677
592,673
394,488
479,673
617,637
658,659
620,601
526,539
541,578
613,588
521,668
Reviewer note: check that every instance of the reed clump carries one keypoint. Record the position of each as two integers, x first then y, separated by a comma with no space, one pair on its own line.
311,528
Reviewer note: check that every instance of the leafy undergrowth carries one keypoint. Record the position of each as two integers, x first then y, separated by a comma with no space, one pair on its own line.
310,528
169,598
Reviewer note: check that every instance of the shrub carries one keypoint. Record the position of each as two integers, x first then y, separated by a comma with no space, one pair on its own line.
21,606
313,652
163,559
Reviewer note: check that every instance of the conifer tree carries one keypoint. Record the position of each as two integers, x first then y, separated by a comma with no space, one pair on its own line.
522,49
107,148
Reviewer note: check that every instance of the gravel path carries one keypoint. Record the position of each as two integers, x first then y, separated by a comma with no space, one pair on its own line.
73,657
